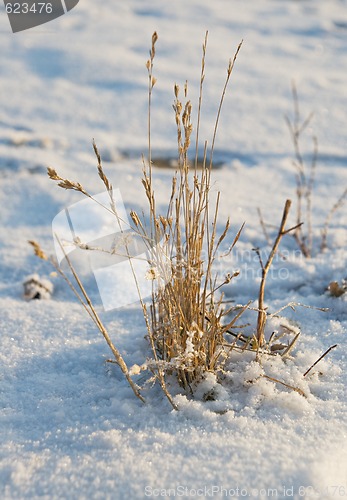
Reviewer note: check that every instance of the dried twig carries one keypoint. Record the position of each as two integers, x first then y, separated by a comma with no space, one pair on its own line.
304,183
296,389
334,209
229,72
320,358
262,224
265,269
88,306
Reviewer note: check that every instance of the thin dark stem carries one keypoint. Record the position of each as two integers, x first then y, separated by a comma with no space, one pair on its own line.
320,358
265,269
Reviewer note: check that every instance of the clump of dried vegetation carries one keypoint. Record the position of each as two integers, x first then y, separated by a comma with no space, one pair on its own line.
188,325
305,179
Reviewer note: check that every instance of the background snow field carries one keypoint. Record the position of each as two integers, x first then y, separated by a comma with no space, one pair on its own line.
70,425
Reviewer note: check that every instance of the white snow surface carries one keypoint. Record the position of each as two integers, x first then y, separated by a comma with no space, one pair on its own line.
70,425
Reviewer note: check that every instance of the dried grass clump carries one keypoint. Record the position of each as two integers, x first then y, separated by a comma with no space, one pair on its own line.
305,179
186,318
185,323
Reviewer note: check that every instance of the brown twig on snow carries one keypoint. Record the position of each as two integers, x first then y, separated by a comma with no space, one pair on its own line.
304,183
320,358
265,269
263,226
88,306
337,205
296,389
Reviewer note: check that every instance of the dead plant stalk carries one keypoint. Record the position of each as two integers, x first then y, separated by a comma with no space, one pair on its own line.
265,269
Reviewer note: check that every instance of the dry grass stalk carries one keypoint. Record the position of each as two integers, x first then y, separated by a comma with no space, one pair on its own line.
229,72
140,230
319,359
265,269
304,180
305,183
263,226
334,209
88,306
186,328
151,82
296,389
202,78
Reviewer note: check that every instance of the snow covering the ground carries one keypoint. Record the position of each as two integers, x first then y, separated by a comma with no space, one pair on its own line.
70,425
